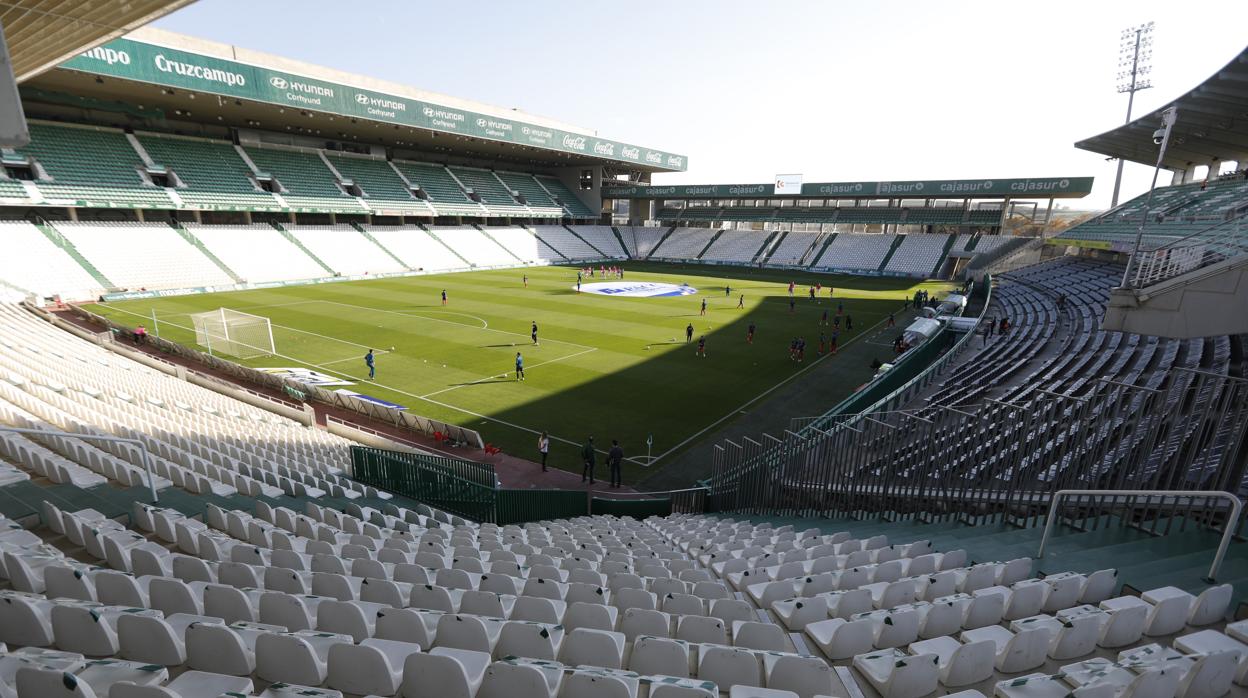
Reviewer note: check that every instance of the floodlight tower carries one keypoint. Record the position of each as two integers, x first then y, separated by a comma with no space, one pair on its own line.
1135,54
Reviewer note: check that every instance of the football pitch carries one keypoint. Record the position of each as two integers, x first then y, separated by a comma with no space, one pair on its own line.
610,366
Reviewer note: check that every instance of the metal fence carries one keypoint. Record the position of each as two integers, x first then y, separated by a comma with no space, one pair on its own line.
1002,462
471,490
1214,244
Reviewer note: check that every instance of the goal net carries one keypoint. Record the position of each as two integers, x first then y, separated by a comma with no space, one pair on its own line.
239,334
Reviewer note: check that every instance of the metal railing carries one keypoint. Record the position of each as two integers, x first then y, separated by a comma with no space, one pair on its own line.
1203,248
143,452
1236,507
1002,461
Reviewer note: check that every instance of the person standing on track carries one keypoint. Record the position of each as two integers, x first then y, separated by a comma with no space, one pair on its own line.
368,361
614,456
543,448
588,457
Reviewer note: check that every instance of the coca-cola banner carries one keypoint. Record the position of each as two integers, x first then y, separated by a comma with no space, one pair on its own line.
143,62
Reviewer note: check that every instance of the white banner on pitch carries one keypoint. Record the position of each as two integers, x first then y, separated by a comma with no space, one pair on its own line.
788,184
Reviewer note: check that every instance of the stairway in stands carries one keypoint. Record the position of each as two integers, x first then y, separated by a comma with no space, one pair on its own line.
63,242
199,245
662,240
295,241
369,236
897,240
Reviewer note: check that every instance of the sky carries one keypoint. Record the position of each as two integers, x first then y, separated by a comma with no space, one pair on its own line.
836,91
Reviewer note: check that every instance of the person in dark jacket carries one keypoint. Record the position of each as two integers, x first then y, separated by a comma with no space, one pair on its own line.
589,456
614,458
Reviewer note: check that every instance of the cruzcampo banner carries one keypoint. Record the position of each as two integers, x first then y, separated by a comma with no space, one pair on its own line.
128,59
1039,187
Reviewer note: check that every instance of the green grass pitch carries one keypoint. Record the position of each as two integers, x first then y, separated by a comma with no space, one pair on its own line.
613,367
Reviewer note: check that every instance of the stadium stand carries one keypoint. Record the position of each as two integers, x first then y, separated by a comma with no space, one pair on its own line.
381,186
684,243
1176,211
518,241
345,249
853,251
416,248
493,193
918,254
89,164
574,206
257,252
212,173
444,193
570,245
539,201
602,238
739,246
307,184
794,247
34,263
474,246
143,255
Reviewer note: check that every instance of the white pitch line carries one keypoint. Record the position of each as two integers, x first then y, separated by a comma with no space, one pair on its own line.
761,395
526,368
448,406
448,322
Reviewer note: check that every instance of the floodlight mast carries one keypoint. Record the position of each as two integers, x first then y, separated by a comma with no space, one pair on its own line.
1135,55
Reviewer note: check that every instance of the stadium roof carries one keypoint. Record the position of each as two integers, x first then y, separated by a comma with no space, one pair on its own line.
162,71
41,34
1212,124
1024,188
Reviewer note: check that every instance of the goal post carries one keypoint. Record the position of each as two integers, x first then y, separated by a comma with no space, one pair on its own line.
233,332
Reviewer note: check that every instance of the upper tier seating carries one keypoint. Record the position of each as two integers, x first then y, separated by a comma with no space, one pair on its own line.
563,195
91,164
143,255
212,173
257,252
1175,211
383,189
306,182
344,249
494,194
538,199
444,193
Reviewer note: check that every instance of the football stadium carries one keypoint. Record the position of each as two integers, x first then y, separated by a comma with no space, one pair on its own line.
314,383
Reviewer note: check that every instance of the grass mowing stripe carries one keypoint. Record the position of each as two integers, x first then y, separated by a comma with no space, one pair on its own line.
638,381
